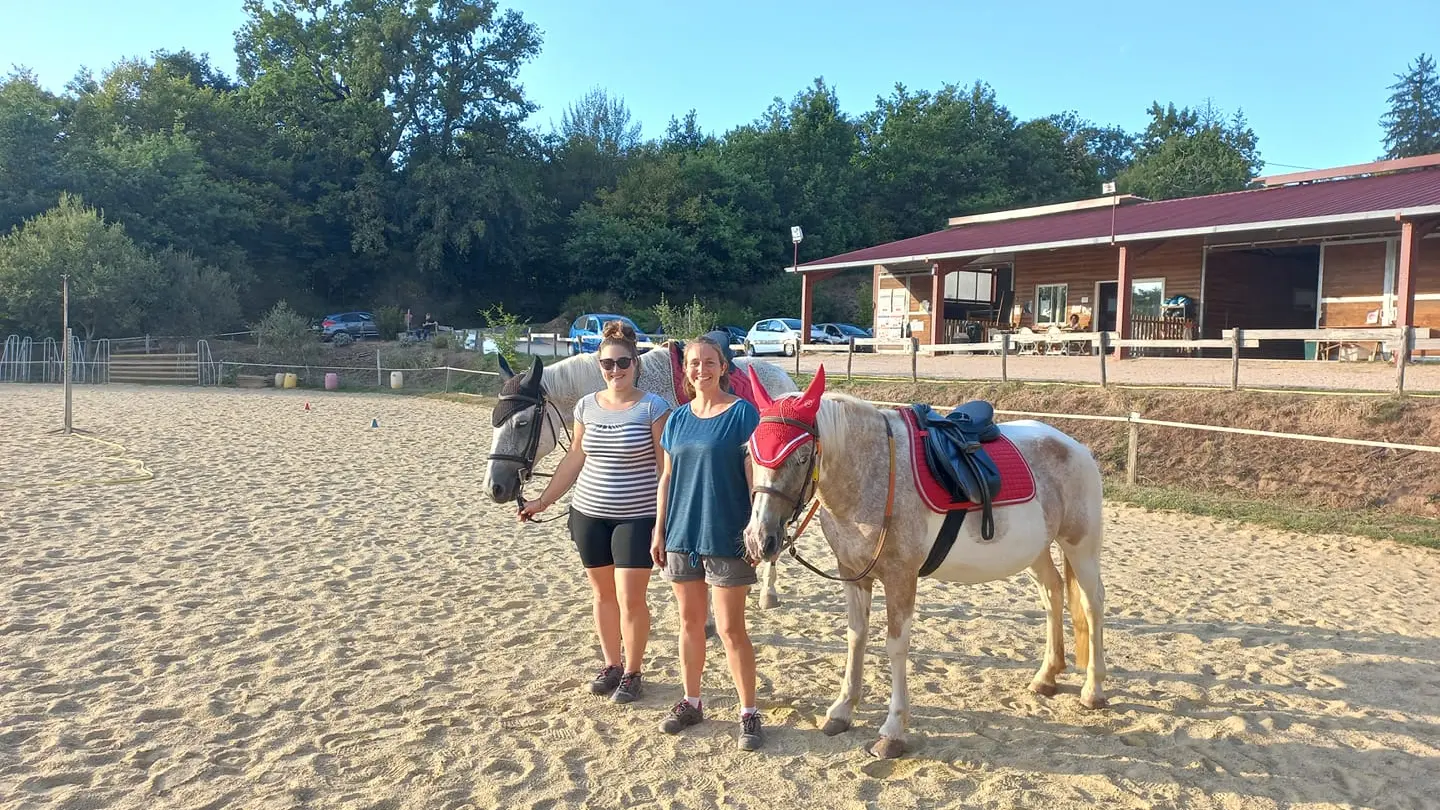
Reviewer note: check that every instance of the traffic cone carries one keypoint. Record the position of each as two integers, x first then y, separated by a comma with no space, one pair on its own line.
307,406
374,423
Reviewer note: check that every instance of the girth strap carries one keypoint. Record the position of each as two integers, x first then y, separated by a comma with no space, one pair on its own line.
945,541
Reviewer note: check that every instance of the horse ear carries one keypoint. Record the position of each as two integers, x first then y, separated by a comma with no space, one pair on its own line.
537,369
505,372
810,400
762,397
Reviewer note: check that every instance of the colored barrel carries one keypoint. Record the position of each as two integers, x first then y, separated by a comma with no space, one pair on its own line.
397,379
332,381
291,380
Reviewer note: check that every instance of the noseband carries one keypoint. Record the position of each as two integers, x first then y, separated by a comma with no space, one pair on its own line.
808,493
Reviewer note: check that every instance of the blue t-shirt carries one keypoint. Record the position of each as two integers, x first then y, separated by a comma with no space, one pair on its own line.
709,499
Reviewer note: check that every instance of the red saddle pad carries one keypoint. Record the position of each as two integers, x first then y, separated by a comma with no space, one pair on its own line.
1017,483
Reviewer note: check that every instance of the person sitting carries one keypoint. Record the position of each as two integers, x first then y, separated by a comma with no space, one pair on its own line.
1073,325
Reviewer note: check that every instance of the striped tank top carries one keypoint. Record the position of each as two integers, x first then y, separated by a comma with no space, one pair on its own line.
619,478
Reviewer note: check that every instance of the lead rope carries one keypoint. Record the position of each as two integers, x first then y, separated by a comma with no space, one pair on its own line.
884,527
570,441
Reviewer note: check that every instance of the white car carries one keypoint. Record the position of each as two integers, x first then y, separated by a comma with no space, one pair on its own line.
778,336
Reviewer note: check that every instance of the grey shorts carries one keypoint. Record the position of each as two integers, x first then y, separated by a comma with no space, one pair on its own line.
720,572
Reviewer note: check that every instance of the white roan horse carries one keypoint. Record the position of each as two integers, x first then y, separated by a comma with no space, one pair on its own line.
863,524
549,394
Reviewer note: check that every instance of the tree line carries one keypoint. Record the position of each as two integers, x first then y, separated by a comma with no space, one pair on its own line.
381,152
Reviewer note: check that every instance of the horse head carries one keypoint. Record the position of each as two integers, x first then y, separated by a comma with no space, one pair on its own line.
784,457
524,431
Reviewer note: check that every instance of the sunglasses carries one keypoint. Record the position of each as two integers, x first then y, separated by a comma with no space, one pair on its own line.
619,362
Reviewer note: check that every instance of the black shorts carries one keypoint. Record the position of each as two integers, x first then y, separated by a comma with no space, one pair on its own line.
621,543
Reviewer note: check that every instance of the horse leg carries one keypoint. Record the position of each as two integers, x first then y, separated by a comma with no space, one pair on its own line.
857,611
1052,599
769,597
899,613
1083,575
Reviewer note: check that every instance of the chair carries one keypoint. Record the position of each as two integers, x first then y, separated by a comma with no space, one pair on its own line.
1028,344
1055,341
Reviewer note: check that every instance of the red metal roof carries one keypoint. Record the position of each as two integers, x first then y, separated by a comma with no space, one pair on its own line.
1381,196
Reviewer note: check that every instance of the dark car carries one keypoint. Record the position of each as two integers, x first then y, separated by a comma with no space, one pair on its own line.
840,333
737,337
343,327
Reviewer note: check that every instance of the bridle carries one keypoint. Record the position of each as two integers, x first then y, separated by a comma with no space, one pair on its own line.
808,497
550,413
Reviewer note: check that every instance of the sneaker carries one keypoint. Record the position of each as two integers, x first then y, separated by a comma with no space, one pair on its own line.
682,716
750,739
629,688
606,681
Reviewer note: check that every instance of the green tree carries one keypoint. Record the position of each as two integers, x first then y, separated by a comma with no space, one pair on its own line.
1412,122
113,283
31,149
1185,152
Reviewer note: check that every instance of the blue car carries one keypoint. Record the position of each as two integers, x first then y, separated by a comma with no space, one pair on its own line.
585,331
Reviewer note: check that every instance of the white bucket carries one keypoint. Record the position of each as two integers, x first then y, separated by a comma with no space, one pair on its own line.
279,379
397,379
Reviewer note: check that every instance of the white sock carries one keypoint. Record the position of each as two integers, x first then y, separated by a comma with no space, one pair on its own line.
694,702
747,711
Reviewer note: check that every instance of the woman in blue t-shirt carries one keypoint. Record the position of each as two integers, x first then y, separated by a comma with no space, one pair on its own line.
703,505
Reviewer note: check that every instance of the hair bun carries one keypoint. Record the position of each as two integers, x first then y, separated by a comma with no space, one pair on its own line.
618,330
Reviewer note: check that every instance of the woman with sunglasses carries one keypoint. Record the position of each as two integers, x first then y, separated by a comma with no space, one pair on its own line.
612,464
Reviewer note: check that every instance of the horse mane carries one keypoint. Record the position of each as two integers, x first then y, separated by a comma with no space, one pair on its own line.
842,416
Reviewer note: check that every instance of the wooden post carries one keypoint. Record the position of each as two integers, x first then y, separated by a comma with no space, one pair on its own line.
379,381
1123,293
914,355
1402,359
530,343
798,346
1005,357
1104,350
1133,456
447,379
849,358
1236,341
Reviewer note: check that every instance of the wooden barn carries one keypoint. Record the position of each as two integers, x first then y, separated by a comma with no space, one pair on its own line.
1345,247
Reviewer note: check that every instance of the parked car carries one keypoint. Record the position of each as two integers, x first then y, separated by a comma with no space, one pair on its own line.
585,331
343,327
840,333
778,336
737,337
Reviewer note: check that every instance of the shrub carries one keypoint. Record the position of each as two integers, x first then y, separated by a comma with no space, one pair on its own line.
684,322
390,321
506,330
285,336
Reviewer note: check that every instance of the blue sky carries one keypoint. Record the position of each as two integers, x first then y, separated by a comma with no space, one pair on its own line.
1311,78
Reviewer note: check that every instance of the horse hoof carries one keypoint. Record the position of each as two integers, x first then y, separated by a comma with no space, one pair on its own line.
1044,689
887,748
835,726
1094,702
767,601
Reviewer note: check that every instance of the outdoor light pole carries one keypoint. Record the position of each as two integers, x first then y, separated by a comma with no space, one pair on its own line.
65,333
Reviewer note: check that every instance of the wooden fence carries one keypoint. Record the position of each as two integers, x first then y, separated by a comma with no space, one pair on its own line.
1098,346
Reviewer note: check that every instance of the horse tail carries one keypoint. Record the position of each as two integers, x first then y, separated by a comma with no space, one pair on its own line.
1079,621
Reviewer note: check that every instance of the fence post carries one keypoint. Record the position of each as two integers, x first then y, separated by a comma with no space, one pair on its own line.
1236,340
447,379
1005,357
914,355
529,343
849,358
147,342
1133,455
1402,357
379,382
799,345
1104,341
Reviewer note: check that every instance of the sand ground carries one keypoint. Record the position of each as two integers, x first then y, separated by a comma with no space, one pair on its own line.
302,611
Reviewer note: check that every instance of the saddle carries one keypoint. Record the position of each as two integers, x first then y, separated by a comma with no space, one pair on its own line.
739,383
955,454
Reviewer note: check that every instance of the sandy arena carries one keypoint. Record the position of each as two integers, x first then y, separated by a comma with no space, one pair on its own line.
301,611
